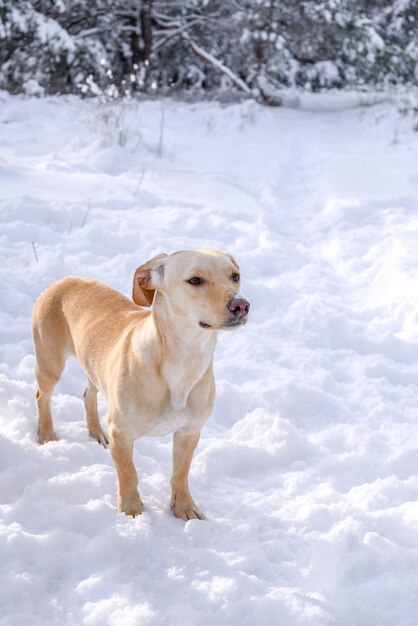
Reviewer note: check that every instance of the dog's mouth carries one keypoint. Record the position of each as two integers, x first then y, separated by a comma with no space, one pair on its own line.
231,323
234,323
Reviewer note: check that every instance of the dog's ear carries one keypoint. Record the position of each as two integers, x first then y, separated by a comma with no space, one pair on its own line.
148,277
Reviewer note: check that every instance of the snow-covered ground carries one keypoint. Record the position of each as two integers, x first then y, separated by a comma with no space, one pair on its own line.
307,471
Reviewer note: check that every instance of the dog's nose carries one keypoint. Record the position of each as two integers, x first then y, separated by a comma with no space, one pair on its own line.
239,307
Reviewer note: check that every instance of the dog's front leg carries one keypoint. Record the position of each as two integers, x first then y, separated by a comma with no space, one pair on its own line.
182,503
129,501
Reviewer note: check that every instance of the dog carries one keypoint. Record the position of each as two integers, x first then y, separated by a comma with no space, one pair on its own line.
154,367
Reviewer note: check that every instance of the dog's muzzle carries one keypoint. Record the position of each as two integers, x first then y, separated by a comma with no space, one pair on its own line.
238,309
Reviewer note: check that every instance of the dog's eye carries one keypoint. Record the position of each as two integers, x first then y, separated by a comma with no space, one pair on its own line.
235,278
196,280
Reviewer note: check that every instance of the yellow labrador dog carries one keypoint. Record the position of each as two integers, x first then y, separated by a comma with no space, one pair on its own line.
154,367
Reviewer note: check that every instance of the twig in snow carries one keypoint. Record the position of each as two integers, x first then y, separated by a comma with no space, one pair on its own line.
161,140
141,178
86,214
34,251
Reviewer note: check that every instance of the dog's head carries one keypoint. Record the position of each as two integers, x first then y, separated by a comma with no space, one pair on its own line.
202,286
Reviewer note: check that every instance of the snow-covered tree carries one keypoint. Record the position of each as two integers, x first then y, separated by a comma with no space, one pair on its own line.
249,45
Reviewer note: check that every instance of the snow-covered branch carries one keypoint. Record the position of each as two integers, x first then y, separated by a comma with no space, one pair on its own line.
221,67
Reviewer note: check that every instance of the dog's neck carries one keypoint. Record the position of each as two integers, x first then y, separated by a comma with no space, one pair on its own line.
187,350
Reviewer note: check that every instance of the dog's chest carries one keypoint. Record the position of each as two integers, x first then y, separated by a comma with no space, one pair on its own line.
171,420
178,413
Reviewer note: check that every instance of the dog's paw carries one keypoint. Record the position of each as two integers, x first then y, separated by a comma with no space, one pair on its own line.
131,505
44,436
187,510
99,435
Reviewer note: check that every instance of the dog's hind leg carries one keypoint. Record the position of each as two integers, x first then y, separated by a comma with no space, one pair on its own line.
92,416
52,343
49,367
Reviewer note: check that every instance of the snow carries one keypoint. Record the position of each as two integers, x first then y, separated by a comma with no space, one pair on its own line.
307,470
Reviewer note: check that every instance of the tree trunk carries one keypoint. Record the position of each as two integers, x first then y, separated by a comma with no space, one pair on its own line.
145,19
